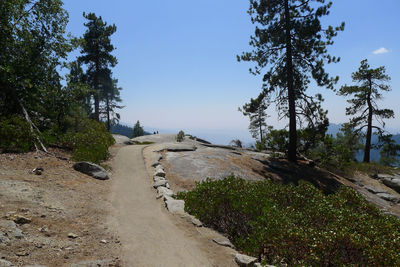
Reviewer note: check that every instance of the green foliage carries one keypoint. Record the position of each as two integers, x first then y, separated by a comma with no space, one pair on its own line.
390,151
91,142
15,135
297,225
277,140
332,154
33,45
137,130
180,136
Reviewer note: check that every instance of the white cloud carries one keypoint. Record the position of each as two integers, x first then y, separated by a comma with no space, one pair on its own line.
381,50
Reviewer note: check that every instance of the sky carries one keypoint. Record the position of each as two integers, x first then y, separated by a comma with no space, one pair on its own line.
178,69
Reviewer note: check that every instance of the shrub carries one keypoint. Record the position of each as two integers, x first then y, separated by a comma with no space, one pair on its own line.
15,135
90,143
298,225
180,136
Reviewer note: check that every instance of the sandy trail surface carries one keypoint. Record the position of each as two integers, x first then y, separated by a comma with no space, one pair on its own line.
150,236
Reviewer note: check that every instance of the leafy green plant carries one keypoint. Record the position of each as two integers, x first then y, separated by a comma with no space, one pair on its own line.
180,136
297,225
91,142
15,135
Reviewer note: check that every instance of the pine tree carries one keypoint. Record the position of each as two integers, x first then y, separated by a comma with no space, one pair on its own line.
256,111
96,54
111,97
364,102
290,41
137,130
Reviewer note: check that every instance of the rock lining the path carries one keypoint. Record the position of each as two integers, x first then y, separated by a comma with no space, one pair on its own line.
245,261
223,241
174,206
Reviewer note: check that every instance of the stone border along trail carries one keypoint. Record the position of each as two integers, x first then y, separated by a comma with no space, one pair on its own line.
151,236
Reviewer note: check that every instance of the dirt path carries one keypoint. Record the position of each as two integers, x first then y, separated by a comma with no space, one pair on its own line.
149,235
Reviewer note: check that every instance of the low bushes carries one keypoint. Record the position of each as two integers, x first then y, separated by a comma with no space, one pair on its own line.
91,142
298,225
15,135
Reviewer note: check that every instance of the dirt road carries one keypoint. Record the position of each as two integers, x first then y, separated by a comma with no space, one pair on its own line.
150,236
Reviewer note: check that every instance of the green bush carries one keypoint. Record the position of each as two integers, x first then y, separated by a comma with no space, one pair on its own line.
180,136
298,225
15,135
90,143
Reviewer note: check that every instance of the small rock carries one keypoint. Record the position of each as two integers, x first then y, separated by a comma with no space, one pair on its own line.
19,219
158,178
22,253
163,191
159,173
72,235
244,260
174,205
196,222
155,164
103,241
223,241
4,263
17,233
161,183
4,239
38,171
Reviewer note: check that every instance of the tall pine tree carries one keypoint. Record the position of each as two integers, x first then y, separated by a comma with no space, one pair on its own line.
364,102
96,54
290,41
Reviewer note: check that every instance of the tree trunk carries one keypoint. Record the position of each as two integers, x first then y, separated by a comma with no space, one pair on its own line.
96,94
290,86
108,112
367,149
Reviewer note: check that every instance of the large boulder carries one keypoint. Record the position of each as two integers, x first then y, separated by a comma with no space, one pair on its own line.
91,169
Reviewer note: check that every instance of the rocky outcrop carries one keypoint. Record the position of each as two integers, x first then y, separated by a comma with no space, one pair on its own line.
91,169
173,147
392,181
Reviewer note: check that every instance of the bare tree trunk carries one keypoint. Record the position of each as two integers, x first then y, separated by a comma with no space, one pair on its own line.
291,93
108,112
367,149
33,128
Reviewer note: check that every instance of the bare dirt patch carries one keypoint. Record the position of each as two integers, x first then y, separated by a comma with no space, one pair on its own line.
58,203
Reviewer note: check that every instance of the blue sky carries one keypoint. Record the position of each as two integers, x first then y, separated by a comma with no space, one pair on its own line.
178,69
